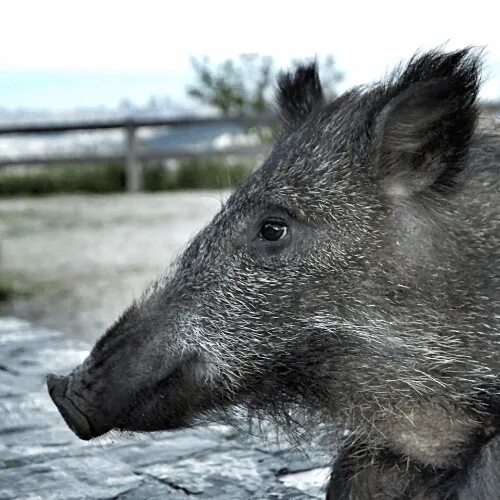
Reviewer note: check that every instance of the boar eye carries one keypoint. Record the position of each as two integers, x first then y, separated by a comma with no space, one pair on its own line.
273,230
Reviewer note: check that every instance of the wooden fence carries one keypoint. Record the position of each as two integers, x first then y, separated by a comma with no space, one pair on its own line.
131,156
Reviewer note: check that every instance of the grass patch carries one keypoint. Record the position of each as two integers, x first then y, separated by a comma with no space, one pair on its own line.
7,290
64,179
197,174
207,173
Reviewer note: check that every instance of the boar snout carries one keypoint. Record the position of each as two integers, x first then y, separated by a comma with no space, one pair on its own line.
75,412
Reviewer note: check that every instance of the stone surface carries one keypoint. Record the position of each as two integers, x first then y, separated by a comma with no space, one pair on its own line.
41,459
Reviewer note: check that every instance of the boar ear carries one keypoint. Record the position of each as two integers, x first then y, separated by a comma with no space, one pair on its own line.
423,131
299,93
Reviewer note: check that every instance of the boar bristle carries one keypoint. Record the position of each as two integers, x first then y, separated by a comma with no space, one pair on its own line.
461,67
299,93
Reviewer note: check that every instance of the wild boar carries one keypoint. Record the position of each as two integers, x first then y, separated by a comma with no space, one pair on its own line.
353,278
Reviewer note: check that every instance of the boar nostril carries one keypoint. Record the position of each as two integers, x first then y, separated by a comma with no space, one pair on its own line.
73,416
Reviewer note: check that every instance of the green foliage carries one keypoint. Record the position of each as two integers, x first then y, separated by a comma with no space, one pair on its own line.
244,86
208,173
64,179
211,173
330,76
234,87
198,173
7,290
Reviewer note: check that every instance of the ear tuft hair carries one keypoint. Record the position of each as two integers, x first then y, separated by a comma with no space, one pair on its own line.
424,129
463,66
299,93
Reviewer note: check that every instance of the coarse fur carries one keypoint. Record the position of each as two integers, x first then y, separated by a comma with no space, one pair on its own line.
376,312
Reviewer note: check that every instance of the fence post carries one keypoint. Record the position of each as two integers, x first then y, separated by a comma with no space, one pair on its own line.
133,165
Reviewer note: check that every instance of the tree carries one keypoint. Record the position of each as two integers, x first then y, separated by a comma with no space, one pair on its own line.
233,87
245,85
330,76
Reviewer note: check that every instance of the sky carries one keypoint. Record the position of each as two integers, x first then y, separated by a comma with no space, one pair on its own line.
63,54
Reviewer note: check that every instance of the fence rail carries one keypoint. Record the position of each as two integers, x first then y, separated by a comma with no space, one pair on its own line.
132,156
128,122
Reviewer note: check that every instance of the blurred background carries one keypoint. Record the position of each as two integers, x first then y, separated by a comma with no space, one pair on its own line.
124,125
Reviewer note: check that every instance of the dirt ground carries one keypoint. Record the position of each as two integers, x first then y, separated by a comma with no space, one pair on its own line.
79,260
